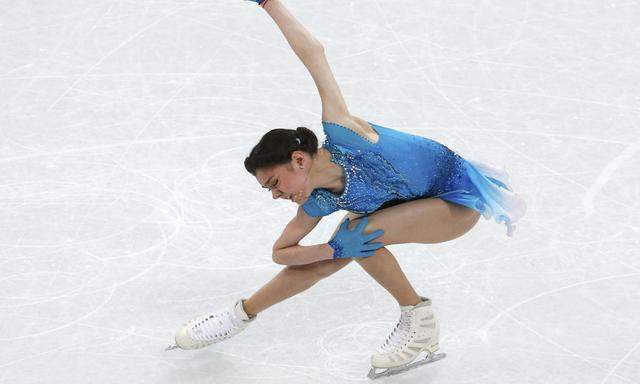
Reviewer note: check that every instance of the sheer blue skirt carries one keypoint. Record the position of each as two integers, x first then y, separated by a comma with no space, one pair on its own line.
486,189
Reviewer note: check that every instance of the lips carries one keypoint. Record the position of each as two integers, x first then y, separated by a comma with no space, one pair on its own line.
293,198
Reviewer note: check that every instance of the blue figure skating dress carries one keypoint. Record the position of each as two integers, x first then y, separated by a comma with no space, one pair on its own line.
400,167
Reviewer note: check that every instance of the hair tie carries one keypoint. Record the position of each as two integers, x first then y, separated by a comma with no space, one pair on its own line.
298,140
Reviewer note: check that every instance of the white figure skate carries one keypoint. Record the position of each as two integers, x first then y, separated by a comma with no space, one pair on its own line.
212,328
413,342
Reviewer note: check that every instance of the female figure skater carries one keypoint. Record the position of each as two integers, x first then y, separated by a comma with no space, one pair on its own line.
400,188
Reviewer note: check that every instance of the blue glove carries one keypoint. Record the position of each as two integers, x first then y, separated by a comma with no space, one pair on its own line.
354,243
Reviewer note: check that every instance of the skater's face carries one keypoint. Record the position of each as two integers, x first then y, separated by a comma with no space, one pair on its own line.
288,181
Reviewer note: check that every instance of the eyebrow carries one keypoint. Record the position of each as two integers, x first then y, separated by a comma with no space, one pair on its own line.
267,182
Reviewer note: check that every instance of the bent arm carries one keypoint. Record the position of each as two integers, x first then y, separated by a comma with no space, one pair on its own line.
287,251
300,39
303,254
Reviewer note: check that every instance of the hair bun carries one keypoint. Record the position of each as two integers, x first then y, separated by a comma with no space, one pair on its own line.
276,146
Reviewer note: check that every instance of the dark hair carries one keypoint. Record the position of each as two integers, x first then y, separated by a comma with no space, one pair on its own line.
276,146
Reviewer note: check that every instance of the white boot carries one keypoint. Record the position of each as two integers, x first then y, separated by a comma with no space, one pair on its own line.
417,330
213,328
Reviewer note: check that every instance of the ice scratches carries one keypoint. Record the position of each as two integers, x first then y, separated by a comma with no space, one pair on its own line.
96,149
484,329
66,325
73,347
612,370
559,174
605,175
491,322
126,41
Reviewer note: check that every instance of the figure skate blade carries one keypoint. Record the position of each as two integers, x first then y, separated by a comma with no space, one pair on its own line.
414,364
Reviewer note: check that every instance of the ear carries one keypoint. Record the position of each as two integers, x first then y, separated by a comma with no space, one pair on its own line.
298,158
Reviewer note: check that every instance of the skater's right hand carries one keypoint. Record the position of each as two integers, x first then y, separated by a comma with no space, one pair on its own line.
354,243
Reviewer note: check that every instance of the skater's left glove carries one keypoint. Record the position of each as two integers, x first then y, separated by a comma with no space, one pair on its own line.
354,243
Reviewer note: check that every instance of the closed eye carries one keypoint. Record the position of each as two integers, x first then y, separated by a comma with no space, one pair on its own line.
274,185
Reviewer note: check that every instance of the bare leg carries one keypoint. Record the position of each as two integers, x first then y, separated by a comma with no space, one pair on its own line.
290,281
420,221
384,268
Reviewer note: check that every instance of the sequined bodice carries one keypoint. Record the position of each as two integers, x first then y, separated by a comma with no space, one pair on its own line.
399,166
370,180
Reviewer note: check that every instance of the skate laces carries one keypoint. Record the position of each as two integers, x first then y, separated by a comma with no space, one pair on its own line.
399,333
213,327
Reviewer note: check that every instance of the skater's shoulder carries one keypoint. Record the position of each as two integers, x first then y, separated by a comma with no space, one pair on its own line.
350,130
320,203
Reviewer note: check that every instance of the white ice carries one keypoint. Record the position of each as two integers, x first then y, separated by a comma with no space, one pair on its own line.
125,208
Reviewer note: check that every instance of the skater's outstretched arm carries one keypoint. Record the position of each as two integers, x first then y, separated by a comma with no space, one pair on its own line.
303,43
311,52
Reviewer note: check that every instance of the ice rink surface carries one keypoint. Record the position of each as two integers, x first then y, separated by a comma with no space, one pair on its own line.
125,208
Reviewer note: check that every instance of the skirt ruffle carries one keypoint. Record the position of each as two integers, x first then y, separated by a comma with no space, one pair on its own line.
486,189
